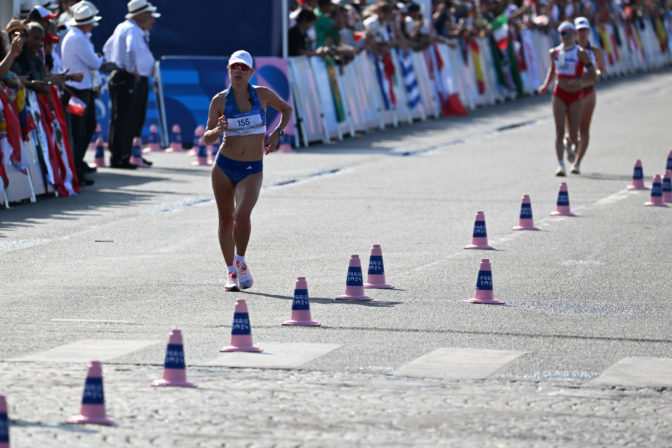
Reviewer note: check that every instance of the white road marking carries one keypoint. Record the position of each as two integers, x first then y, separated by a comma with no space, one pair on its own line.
459,363
275,355
86,350
638,372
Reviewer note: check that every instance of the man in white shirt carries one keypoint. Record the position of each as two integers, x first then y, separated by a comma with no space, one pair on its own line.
79,56
128,48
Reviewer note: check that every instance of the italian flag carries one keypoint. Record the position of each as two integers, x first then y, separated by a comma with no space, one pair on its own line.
500,31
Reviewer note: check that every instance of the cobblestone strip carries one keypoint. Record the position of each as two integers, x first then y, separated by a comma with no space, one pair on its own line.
281,408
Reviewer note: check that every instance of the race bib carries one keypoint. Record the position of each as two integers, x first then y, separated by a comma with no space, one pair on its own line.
244,122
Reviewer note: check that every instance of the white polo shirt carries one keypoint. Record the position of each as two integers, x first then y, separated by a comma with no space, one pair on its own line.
78,56
128,48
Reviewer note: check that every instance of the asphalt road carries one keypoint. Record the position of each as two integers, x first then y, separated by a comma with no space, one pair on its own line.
580,354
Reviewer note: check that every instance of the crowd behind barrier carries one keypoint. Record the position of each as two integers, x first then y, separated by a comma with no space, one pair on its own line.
345,89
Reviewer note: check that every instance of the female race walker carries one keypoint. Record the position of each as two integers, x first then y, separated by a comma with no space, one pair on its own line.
589,98
239,113
568,61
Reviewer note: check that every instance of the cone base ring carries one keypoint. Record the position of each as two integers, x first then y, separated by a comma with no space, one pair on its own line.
174,150
146,150
485,301
476,246
557,213
375,286
354,298
165,383
199,163
651,204
525,228
233,348
304,323
81,419
632,187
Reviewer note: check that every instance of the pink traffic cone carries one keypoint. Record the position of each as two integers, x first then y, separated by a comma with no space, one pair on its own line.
638,177
354,288
667,186
201,155
175,139
376,275
526,221
656,193
153,140
301,306
198,133
241,331
668,166
4,423
562,205
174,369
484,293
98,133
99,159
93,400
136,154
214,150
479,239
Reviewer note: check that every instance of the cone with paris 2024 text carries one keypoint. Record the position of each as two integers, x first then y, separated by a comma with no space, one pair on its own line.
175,139
526,221
375,277
201,154
99,158
667,186
479,239
4,423
153,141
301,306
174,367
562,205
241,331
93,399
484,290
354,287
638,177
656,193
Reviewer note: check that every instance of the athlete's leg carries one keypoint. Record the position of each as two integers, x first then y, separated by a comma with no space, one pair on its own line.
559,113
224,196
247,193
584,128
574,118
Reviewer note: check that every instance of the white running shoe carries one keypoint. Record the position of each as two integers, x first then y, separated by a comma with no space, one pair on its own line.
232,284
560,172
244,275
575,169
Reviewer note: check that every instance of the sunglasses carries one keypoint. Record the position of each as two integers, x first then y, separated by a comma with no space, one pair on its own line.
237,65
567,33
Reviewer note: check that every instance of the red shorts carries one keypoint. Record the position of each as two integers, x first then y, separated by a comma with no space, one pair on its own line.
567,97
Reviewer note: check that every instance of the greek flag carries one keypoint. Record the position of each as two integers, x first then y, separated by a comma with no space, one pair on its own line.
410,81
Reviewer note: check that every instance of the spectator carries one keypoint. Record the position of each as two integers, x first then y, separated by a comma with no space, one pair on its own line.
128,48
326,29
43,16
79,56
7,57
298,34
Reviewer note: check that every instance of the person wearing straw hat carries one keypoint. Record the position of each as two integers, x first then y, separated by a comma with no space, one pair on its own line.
589,97
239,114
128,48
79,56
568,61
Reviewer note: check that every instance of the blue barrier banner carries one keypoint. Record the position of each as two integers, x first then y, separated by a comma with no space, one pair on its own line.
189,83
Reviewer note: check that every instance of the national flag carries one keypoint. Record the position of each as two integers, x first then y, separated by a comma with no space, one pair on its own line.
478,70
410,81
500,31
76,106
450,102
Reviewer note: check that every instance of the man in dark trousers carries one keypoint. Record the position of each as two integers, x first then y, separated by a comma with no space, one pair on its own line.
128,48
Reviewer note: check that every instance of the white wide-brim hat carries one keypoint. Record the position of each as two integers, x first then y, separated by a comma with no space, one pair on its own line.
136,7
83,14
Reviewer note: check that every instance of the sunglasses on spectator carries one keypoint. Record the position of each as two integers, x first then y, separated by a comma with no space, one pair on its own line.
237,65
567,33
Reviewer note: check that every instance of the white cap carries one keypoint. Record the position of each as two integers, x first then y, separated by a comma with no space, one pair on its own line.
83,13
582,23
566,26
243,57
136,7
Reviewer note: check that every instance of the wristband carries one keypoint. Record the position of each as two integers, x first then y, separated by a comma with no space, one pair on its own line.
281,131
